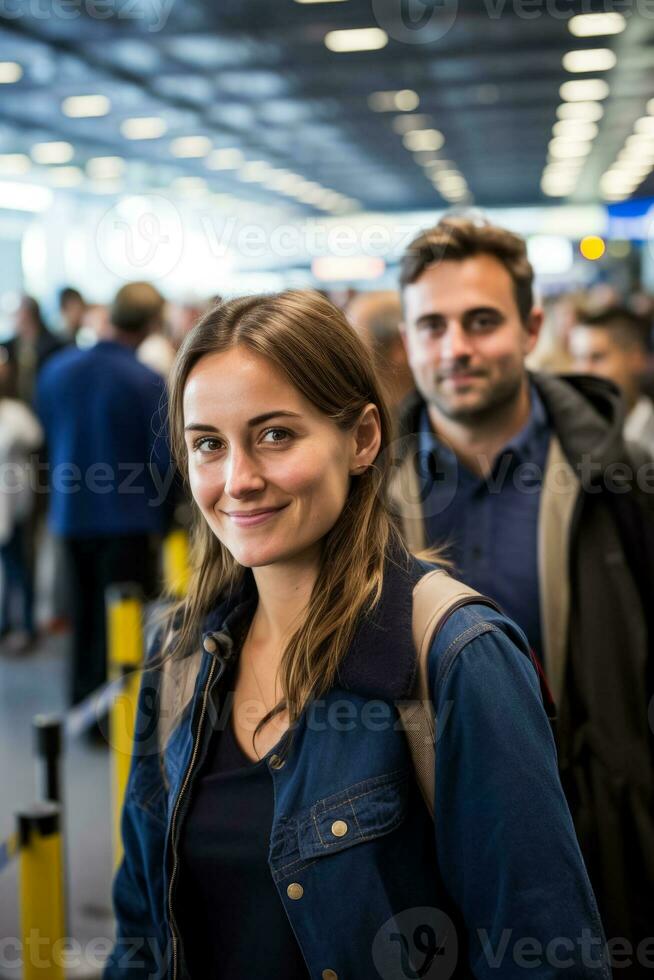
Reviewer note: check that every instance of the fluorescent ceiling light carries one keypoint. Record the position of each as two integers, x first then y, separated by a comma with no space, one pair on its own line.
85,106
571,165
224,159
66,176
312,195
359,39
24,197
57,152
553,190
189,186
584,89
588,111
382,101
640,140
615,179
10,71
404,124
575,129
591,59
331,198
254,171
143,128
439,165
424,139
406,100
562,149
14,164
191,146
596,25
559,179
632,166
560,176
101,168
450,183
280,180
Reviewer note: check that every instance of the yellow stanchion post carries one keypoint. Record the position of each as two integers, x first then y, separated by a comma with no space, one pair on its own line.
176,563
41,892
125,651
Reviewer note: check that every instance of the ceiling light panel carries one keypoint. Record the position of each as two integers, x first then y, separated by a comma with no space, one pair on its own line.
359,39
85,106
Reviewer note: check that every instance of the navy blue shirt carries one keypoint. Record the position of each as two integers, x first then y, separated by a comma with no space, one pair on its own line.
110,470
489,525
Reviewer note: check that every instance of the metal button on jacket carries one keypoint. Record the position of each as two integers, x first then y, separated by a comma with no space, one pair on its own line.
329,975
276,762
210,643
339,828
295,891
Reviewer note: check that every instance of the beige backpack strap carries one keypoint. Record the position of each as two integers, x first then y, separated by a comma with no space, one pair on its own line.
435,596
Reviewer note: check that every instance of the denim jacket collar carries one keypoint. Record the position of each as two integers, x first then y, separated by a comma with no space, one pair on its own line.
381,661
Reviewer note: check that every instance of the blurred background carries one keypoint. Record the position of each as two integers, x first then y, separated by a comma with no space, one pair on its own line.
232,147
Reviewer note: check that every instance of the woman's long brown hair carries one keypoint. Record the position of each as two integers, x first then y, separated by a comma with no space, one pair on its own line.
310,342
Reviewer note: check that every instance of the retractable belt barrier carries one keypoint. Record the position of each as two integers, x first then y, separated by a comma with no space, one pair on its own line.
38,842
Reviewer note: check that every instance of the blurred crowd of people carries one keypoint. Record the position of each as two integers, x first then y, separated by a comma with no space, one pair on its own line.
76,405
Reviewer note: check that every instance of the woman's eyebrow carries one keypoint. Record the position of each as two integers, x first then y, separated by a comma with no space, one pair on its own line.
257,420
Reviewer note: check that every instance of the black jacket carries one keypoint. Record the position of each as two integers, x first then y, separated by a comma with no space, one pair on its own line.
597,581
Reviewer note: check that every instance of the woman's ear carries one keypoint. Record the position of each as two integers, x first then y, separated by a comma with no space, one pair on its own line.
366,440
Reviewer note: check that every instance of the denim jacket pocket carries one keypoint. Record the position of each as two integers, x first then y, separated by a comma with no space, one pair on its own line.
368,809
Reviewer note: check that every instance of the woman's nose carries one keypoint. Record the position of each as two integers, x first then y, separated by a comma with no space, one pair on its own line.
243,475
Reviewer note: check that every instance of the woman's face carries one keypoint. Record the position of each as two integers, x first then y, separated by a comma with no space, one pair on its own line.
269,472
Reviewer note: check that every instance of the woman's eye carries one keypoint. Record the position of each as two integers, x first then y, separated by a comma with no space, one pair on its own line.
207,444
277,435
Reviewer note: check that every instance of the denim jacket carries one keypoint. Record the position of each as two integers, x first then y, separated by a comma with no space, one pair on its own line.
493,886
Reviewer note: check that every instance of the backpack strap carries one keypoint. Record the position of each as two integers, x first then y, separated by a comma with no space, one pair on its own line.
435,597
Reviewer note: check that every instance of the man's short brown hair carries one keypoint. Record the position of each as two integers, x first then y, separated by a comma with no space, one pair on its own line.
455,239
627,328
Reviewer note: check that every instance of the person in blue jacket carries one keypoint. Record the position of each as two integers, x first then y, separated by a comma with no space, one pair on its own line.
273,825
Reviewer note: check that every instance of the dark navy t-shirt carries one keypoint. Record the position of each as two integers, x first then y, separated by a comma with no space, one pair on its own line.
231,918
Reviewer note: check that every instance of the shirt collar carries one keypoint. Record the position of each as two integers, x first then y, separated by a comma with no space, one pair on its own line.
524,446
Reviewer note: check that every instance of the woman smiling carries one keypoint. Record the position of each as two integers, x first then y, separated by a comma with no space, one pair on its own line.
274,824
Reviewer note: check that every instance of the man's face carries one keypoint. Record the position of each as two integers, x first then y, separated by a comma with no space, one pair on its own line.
465,340
596,351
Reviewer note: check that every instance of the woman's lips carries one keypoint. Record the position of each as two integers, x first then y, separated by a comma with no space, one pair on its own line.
254,519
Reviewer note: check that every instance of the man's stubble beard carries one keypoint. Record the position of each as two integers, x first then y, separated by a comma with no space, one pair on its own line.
495,400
